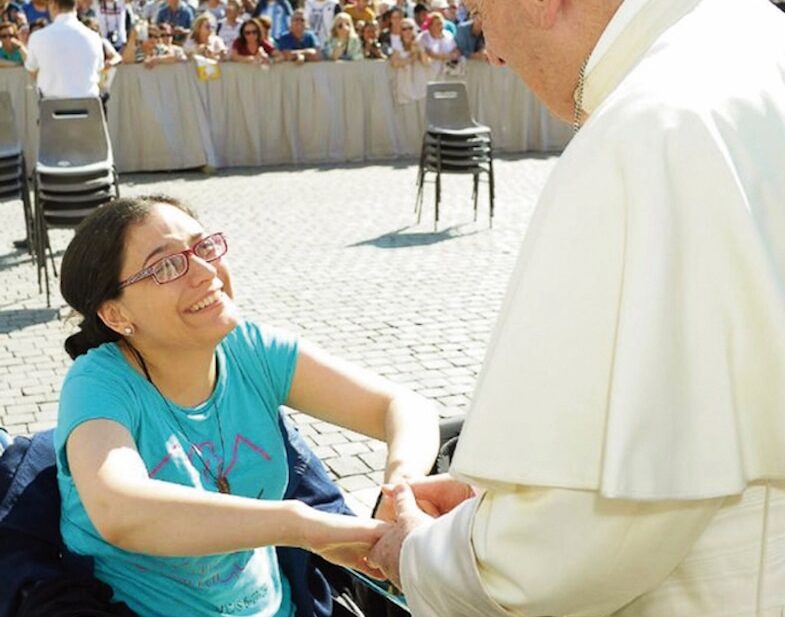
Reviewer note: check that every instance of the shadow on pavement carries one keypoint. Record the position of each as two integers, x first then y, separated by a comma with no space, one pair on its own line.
16,319
400,238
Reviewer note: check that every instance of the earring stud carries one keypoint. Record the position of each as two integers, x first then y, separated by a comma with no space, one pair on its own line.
128,331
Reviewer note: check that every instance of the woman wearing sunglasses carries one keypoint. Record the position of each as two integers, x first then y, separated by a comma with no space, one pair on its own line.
203,40
250,47
171,461
344,44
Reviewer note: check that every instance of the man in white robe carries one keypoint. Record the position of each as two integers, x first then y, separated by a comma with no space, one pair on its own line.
625,447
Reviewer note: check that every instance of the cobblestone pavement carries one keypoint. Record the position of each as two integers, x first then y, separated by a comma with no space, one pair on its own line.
332,253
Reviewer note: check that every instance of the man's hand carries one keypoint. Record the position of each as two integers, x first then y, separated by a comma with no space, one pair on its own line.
435,495
385,556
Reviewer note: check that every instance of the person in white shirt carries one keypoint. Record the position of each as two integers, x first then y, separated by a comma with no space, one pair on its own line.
439,44
624,453
319,15
66,57
229,27
112,21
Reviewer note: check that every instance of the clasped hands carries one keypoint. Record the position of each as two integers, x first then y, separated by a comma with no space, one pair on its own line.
373,546
407,506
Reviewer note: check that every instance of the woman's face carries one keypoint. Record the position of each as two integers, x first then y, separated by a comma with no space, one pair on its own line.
407,32
204,31
252,34
369,33
436,27
194,311
342,28
395,19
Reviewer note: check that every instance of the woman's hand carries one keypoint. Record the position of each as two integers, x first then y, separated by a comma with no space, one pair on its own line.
344,540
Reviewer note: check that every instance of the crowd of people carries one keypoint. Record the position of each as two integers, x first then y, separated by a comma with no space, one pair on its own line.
422,40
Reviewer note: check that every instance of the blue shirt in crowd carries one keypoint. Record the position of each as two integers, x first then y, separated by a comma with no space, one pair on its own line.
182,17
466,40
234,434
33,13
278,11
288,42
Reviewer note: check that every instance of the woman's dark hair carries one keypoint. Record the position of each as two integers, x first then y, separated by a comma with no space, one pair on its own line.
241,37
90,272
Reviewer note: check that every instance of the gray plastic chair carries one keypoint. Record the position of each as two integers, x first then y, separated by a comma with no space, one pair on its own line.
75,172
453,143
13,170
447,110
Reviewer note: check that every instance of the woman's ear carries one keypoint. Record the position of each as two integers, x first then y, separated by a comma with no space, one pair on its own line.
114,317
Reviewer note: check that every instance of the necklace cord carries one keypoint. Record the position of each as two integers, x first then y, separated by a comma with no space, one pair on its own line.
221,480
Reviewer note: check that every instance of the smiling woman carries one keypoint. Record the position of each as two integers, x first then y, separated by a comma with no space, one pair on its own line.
171,461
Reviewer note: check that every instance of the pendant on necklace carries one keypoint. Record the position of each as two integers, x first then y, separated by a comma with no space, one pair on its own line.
223,485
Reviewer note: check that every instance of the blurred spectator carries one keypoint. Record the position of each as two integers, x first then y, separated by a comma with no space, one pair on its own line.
111,57
146,45
369,35
13,53
470,39
229,26
406,6
438,43
420,14
111,15
411,66
111,60
268,42
178,15
299,44
391,36
203,41
11,12
447,12
216,8
384,16
279,12
343,44
249,46
35,10
147,10
85,10
38,24
320,15
360,11
65,57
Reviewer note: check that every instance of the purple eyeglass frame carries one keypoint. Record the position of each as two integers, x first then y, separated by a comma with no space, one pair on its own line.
149,270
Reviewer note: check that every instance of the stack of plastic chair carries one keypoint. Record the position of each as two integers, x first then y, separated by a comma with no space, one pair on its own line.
75,172
453,143
13,171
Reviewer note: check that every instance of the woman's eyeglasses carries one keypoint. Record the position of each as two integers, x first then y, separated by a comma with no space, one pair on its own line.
174,266
251,32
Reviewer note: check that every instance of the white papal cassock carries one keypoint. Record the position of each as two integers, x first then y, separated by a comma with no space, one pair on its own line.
628,427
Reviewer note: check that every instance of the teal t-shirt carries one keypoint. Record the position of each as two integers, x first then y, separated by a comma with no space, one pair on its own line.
14,56
255,369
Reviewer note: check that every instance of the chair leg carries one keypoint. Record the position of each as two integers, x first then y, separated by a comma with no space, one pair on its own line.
116,183
438,183
492,193
37,234
28,211
418,202
51,254
475,187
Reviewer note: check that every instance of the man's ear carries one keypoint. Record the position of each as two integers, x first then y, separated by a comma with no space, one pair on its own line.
114,317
